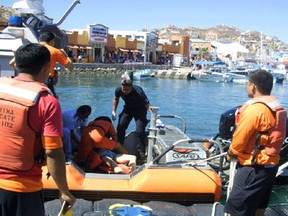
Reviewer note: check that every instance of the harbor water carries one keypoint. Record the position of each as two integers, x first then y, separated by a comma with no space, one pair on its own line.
200,104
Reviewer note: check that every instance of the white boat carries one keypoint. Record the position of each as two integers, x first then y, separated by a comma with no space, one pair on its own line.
279,73
240,73
211,71
24,28
142,74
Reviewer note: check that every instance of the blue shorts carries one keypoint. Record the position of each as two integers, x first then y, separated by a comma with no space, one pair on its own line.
251,190
107,153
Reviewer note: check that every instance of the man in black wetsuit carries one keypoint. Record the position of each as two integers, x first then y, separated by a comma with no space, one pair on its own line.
136,106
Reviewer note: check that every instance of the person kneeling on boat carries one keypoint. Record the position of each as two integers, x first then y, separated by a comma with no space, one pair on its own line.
74,122
97,142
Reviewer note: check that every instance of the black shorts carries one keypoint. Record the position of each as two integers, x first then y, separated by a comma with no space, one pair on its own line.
21,204
251,190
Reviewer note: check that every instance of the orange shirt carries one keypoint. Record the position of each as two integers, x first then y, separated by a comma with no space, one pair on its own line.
56,55
94,137
256,117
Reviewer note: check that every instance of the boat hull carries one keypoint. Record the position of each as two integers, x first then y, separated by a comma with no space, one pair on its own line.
142,74
160,183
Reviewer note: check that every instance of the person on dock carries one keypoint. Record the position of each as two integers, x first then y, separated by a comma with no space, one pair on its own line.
99,139
74,122
30,131
257,141
47,39
136,106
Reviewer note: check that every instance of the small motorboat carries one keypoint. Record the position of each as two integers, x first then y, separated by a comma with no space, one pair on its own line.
141,74
279,74
211,71
176,170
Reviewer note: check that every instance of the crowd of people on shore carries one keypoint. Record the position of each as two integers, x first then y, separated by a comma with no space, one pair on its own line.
35,132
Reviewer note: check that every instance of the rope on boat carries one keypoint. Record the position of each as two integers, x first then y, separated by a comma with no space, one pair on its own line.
195,163
214,208
281,168
232,171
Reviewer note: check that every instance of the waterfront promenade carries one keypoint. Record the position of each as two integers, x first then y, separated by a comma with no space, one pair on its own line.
160,71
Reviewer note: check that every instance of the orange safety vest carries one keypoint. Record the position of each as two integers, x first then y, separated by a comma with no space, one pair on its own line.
271,141
20,144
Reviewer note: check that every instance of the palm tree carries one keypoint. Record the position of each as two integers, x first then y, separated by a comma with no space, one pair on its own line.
204,53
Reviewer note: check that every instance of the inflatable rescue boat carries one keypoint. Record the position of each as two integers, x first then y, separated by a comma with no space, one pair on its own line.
177,170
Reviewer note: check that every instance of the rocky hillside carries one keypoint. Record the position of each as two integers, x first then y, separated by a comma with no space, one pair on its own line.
249,39
5,13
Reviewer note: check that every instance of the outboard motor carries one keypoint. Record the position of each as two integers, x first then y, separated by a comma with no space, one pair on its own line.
227,123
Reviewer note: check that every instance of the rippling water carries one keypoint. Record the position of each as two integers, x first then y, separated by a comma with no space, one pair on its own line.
200,104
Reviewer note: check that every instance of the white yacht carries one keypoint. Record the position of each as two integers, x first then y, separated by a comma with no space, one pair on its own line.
25,27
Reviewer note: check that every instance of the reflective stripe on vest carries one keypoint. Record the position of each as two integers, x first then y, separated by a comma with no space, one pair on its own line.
19,92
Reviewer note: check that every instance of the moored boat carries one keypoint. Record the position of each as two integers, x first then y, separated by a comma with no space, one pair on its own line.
141,74
279,73
211,71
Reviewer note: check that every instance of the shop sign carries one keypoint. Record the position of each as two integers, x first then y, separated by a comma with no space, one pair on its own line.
152,40
98,33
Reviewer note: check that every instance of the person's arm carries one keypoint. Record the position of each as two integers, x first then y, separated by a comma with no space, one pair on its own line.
115,104
74,137
120,149
144,98
69,65
57,169
114,107
148,106
64,60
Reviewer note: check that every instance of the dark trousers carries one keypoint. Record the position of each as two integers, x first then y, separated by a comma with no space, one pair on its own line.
125,118
251,190
21,204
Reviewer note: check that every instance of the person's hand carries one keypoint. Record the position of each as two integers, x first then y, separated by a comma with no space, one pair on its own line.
230,156
114,117
69,199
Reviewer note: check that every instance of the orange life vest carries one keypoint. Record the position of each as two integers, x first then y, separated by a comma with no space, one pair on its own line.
20,145
271,141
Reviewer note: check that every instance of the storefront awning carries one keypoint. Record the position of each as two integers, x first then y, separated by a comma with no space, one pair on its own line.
73,47
135,51
123,50
129,50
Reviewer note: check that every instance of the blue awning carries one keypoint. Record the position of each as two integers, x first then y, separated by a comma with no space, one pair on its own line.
210,63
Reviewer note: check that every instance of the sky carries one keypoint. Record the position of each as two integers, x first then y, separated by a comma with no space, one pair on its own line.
266,16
